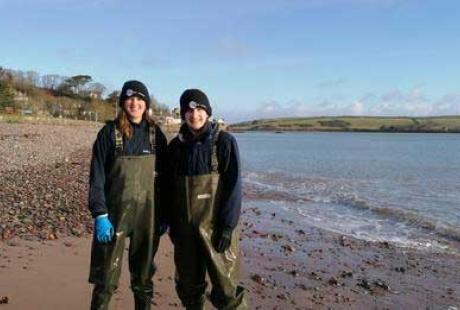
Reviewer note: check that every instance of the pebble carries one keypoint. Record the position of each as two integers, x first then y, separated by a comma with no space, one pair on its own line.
43,201
258,279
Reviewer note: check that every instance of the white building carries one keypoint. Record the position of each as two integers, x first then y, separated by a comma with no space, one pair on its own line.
169,120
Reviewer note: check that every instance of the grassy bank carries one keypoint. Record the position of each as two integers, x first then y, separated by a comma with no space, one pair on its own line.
354,123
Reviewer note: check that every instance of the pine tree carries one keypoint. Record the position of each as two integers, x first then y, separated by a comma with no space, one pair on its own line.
6,95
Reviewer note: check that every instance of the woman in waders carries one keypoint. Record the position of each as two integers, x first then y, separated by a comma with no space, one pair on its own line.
204,207
126,156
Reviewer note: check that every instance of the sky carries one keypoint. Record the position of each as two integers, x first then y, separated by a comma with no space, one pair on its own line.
254,59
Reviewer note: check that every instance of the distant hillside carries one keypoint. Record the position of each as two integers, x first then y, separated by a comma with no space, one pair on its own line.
29,93
354,123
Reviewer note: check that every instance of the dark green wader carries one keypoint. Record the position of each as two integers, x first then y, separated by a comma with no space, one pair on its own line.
194,206
130,202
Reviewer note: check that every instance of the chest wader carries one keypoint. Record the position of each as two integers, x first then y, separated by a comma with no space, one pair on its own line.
130,203
195,203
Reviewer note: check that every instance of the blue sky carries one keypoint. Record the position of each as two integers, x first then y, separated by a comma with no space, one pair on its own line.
254,59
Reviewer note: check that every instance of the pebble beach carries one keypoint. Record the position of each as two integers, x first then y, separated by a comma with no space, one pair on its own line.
45,237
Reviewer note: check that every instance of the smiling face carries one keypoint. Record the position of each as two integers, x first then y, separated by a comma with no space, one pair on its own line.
196,118
135,108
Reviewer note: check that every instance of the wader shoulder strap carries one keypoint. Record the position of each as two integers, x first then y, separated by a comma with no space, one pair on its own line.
152,138
118,141
214,161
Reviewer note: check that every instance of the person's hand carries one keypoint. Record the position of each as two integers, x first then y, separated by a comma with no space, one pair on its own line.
221,239
103,228
162,228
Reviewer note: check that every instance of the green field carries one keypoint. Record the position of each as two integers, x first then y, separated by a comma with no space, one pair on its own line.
354,123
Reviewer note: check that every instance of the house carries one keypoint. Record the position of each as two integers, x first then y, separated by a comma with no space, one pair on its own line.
169,120
20,97
94,95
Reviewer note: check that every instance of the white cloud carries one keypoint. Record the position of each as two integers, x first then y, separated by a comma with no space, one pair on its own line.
357,108
391,103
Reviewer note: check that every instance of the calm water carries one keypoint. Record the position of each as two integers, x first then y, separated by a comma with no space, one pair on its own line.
403,188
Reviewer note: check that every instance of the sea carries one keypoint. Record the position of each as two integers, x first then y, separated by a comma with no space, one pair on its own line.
402,188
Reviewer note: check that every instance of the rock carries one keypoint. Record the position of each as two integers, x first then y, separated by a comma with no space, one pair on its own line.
400,269
382,284
51,236
315,276
281,296
364,284
43,192
258,279
4,299
344,241
294,273
333,281
346,274
256,211
301,232
76,232
288,248
12,243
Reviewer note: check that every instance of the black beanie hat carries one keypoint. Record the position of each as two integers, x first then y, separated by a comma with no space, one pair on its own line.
134,88
192,98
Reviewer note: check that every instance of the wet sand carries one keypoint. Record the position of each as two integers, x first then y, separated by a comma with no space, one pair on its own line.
303,267
53,275
285,267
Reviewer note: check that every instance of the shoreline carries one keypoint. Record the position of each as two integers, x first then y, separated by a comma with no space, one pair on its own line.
434,124
285,264
284,130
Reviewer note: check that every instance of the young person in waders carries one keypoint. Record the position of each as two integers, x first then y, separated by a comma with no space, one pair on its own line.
204,207
127,157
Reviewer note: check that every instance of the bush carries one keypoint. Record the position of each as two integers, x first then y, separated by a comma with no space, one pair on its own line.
6,95
334,123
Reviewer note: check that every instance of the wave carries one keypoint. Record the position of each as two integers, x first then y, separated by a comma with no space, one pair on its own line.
277,187
410,218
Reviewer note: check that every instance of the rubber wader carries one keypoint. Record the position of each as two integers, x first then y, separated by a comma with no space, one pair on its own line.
130,203
194,209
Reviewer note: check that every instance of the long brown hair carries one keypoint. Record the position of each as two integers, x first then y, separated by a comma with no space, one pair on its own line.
125,127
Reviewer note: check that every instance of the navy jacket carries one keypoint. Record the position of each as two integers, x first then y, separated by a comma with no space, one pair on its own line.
190,155
104,155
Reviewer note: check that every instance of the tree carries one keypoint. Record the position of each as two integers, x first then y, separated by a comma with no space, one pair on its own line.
96,89
6,95
157,107
74,85
5,75
32,78
51,81
113,97
79,82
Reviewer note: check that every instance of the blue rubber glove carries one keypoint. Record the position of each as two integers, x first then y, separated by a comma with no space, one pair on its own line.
103,228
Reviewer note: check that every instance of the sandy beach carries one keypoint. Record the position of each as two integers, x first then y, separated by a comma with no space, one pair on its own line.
45,236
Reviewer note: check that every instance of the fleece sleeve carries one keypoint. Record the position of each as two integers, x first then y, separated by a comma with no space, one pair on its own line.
101,152
230,173
161,183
